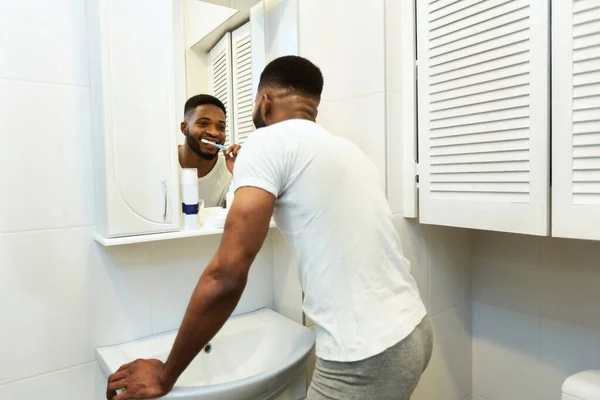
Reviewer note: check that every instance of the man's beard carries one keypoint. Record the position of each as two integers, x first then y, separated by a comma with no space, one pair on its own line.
195,146
257,118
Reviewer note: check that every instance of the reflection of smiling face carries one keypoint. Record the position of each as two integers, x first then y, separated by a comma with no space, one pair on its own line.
207,122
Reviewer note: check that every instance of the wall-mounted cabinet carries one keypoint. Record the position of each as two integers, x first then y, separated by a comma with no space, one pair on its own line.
483,97
576,119
138,82
485,126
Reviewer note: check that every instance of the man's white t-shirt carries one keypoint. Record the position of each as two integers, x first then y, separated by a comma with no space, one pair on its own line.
332,210
213,187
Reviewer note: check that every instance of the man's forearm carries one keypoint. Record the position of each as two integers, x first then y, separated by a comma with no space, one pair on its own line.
212,302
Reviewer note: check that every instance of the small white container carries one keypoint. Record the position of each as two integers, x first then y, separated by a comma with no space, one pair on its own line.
216,217
189,199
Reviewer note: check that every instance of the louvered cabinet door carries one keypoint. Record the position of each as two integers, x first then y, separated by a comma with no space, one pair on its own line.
219,62
243,100
576,119
483,96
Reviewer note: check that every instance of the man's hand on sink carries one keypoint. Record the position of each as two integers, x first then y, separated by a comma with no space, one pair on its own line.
138,380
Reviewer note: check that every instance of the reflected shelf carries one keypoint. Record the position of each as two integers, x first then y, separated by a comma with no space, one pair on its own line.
155,237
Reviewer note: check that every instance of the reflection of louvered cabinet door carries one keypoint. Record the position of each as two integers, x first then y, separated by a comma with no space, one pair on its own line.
576,119
483,95
219,64
241,43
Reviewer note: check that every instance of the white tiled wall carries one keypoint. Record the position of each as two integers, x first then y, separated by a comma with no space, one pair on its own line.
440,262
346,40
281,28
360,119
171,289
46,145
535,314
287,293
349,49
44,41
61,294
73,383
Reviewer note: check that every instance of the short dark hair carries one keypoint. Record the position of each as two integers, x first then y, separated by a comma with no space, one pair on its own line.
200,100
294,73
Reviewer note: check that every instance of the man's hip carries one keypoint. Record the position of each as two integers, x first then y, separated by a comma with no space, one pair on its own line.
391,375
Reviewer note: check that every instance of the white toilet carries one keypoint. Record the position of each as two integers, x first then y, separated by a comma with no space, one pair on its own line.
582,386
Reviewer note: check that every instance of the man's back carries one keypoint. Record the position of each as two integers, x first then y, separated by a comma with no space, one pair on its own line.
333,211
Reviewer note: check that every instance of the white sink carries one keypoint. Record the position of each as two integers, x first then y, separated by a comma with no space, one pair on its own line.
255,356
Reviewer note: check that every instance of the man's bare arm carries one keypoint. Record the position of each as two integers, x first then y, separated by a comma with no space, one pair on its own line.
222,283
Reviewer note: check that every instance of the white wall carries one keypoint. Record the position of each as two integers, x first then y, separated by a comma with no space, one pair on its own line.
346,40
440,258
536,317
281,28
61,294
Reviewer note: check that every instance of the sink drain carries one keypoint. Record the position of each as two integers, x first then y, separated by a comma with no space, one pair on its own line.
208,348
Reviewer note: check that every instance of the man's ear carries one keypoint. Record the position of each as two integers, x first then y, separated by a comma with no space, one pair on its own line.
267,105
317,107
183,127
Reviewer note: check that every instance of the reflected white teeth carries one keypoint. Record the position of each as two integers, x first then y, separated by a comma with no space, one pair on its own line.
214,144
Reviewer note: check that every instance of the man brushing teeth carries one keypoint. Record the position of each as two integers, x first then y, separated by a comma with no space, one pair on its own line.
204,119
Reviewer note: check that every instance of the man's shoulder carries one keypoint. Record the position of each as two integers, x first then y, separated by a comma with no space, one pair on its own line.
286,132
290,125
263,139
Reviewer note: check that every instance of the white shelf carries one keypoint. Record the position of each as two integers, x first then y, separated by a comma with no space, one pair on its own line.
155,237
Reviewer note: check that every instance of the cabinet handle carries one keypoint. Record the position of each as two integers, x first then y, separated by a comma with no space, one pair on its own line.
163,181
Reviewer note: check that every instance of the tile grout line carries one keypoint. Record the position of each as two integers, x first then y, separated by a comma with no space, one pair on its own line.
429,299
458,307
538,299
51,83
20,380
507,309
63,228
89,50
539,317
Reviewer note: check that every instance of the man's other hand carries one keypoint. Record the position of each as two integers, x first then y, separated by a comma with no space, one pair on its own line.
230,155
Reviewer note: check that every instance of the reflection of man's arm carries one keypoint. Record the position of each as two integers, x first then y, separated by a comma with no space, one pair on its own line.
214,299
230,155
223,282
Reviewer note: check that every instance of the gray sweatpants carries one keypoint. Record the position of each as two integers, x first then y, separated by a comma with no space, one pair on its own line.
391,375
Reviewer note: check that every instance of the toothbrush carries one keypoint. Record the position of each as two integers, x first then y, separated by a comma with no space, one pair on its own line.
219,146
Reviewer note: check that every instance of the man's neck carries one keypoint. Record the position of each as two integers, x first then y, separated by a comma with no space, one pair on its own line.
189,159
294,106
